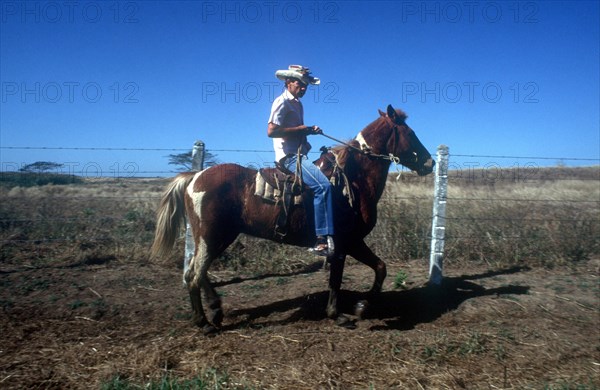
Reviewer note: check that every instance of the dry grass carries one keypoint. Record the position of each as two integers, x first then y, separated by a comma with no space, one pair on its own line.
503,329
550,218
80,222
83,308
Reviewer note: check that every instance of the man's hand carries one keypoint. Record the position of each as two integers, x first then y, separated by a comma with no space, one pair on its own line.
313,130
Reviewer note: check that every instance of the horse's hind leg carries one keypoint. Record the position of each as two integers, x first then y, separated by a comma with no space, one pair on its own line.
361,252
193,278
215,310
199,287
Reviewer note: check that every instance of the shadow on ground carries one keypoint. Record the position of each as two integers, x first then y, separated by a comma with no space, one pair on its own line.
399,310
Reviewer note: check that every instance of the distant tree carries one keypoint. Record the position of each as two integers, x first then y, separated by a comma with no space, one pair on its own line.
184,160
41,166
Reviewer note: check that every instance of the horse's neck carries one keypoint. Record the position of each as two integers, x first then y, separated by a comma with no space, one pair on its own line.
370,137
373,177
375,171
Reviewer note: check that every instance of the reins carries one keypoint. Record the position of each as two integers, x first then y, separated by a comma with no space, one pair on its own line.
366,150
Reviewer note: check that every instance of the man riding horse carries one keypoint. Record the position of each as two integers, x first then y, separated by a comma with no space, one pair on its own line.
286,127
221,202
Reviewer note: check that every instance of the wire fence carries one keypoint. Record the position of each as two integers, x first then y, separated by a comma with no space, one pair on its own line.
561,158
482,204
138,168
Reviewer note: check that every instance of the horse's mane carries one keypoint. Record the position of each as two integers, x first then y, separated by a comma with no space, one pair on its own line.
377,123
401,114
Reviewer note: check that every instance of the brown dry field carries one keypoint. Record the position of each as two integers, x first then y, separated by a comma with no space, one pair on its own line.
82,307
80,325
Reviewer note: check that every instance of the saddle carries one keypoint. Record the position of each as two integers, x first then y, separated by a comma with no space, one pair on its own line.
280,186
285,188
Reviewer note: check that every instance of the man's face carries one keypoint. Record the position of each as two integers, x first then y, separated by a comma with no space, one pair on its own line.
297,88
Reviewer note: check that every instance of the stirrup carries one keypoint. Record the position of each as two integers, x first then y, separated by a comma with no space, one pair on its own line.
320,250
324,247
330,244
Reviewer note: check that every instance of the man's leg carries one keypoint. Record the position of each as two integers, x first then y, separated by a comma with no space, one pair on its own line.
319,184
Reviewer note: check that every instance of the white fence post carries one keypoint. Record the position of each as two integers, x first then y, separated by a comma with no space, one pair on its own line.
438,225
190,247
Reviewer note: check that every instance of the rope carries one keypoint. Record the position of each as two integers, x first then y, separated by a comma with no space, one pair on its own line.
343,143
390,157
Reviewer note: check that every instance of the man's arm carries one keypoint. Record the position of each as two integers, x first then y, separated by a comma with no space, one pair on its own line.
276,131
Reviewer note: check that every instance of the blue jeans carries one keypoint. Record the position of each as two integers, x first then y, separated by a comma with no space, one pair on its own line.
321,187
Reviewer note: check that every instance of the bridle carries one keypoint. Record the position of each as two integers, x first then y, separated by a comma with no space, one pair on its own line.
404,158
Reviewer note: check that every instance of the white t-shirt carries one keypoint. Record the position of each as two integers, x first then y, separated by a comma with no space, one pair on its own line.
287,111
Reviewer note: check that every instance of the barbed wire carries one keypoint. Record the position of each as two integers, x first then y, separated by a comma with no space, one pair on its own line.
527,157
562,158
92,148
427,237
386,198
417,217
6,222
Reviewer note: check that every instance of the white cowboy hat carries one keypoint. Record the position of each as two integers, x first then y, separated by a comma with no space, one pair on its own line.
297,72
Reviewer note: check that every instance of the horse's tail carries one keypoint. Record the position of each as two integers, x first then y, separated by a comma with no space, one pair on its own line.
170,216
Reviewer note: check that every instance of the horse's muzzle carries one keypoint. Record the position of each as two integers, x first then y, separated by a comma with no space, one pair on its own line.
426,168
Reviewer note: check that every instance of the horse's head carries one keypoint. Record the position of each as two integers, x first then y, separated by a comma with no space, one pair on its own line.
391,136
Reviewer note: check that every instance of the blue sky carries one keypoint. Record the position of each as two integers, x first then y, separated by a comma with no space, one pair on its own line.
485,78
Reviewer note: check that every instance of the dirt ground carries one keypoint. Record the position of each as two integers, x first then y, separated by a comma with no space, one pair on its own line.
82,325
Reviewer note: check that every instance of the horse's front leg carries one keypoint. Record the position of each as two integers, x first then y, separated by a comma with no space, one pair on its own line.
361,252
336,271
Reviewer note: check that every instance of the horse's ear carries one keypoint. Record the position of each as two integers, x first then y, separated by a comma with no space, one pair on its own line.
391,112
381,112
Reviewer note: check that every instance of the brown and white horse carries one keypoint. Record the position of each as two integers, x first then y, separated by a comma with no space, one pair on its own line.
220,203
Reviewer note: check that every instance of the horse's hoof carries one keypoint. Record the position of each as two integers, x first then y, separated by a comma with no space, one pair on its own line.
210,330
332,313
360,308
200,322
376,289
217,318
345,322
